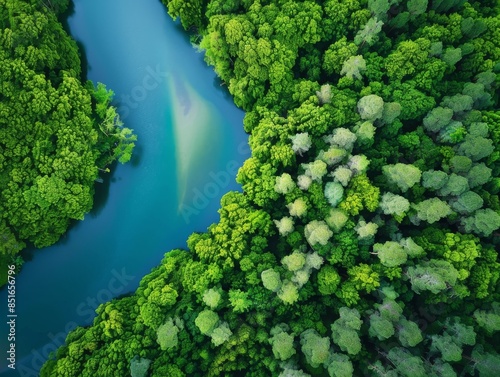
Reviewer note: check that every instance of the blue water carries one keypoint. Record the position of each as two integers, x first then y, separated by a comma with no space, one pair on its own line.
190,144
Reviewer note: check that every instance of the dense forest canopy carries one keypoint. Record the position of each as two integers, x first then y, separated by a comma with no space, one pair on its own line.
366,239
55,132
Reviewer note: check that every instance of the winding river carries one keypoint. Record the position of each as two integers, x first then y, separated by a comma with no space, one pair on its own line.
190,145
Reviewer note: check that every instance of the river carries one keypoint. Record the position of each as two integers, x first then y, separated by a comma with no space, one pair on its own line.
190,145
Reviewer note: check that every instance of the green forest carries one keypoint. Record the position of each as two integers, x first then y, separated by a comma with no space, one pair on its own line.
58,133
365,241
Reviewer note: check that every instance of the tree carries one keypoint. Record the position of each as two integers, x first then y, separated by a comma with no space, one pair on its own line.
221,334
434,276
478,175
167,335
476,147
207,321
212,298
294,261
432,210
334,193
404,176
282,343
392,204
408,333
315,170
345,331
139,366
239,300
406,364
328,280
434,179
298,208
301,143
271,279
339,365
371,107
284,184
483,222
314,347
342,138
288,293
438,118
317,232
391,253
369,33
353,67
467,203
285,225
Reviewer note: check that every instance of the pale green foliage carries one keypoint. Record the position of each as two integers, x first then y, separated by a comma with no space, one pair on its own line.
443,369
333,155
288,293
345,331
483,222
297,208
406,364
303,181
314,261
488,320
211,298
478,175
417,7
342,175
366,230
455,186
336,219
487,364
365,132
467,203
315,348
221,334
404,176
239,300
315,170
358,163
390,253
289,372
434,276
325,94
301,277
294,261
334,193
380,327
408,333
301,143
271,279
284,184
476,147
285,225
392,204
353,67
282,343
369,33
390,309
478,128
391,111
317,232
438,118
432,210
343,138
459,103
460,164
207,321
139,366
434,179
411,248
452,56
339,365
462,334
167,335
371,107
450,351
